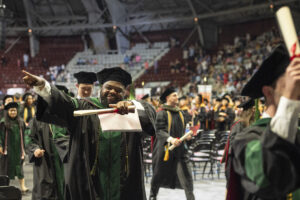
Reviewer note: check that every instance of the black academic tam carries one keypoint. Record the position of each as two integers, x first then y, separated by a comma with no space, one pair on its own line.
270,70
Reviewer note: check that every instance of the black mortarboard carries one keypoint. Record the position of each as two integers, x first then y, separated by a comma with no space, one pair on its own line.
270,70
26,95
11,105
62,88
6,97
114,74
166,93
71,94
182,98
218,99
247,104
85,77
226,94
146,96
225,98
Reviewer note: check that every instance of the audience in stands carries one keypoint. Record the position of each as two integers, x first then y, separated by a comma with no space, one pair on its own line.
54,71
231,66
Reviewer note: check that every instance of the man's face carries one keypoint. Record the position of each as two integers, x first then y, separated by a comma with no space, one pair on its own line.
172,99
237,103
84,90
29,100
205,102
12,112
112,92
224,102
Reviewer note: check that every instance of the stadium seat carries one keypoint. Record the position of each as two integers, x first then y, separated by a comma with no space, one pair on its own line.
10,193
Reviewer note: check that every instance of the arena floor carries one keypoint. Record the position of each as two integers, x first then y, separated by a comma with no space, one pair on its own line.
204,189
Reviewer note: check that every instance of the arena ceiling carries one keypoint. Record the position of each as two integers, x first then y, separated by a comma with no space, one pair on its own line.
67,17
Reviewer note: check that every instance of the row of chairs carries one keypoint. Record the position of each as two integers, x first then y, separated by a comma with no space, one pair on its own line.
8,192
205,151
208,148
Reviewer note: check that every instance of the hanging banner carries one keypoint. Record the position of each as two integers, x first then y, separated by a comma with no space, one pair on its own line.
205,91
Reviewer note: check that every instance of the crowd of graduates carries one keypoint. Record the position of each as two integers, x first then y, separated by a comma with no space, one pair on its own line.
264,136
15,116
215,113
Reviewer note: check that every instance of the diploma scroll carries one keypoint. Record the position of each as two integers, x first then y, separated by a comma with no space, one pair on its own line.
288,32
190,133
78,113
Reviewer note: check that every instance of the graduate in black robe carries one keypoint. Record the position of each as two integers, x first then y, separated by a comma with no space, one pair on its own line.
243,120
171,169
6,99
185,109
27,110
12,153
101,165
48,179
224,115
265,162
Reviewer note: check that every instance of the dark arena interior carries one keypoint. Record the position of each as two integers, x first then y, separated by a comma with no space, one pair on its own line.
216,79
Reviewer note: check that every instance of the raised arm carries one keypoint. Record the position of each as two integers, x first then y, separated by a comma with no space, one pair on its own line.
53,106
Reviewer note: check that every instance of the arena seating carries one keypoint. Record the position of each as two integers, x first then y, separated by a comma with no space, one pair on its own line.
147,53
164,70
56,50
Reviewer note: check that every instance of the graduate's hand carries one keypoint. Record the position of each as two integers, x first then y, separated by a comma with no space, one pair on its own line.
33,80
176,142
292,80
1,151
189,137
122,107
39,153
221,119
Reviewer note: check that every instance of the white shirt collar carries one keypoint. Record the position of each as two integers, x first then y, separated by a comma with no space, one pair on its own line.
265,115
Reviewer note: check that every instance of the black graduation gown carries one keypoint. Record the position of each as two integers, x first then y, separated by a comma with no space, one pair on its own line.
202,116
45,185
12,163
165,172
226,124
271,169
83,142
236,128
30,112
1,113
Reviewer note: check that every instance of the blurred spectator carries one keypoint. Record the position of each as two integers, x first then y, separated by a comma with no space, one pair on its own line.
137,58
191,52
126,59
185,53
146,66
18,63
45,63
3,61
25,60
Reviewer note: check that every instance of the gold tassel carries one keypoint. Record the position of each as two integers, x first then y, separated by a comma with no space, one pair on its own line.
166,158
289,196
25,114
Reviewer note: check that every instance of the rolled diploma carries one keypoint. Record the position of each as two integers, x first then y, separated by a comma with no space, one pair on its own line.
287,28
181,139
78,113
